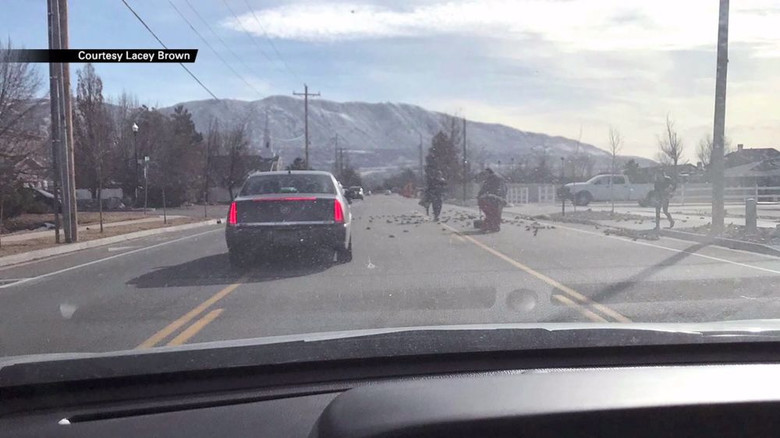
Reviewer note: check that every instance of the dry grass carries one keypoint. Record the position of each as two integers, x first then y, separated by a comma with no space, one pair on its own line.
91,233
33,221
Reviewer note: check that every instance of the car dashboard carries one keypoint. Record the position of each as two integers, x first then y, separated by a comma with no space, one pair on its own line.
465,396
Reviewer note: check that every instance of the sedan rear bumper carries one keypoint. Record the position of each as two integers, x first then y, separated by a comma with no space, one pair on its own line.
257,237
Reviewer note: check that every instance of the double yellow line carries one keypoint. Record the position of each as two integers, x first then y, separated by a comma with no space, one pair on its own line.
585,306
197,326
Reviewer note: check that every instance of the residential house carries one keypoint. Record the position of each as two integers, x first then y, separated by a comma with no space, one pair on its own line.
753,167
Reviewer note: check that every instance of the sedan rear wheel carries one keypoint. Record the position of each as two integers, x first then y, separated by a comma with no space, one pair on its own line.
345,255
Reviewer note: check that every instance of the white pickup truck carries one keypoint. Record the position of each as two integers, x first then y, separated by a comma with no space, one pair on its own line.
598,189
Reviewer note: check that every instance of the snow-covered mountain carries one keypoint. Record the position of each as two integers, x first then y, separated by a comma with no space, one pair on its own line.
374,134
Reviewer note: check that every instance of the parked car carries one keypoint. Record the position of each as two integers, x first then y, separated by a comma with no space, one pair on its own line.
598,189
356,192
388,192
288,210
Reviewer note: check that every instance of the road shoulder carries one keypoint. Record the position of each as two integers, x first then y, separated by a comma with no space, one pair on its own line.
39,254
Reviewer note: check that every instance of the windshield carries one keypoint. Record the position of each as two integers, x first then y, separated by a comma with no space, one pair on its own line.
188,172
269,184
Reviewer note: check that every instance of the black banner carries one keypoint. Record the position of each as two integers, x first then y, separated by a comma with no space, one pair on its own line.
101,55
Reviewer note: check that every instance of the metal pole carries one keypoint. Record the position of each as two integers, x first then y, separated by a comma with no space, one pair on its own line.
146,182
718,171
563,184
135,175
751,216
100,192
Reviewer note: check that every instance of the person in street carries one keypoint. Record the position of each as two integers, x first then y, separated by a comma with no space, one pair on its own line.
425,202
435,193
491,200
663,189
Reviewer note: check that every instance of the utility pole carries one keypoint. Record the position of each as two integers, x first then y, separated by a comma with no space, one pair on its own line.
563,184
719,125
465,162
69,195
306,95
336,165
341,161
62,119
422,175
54,93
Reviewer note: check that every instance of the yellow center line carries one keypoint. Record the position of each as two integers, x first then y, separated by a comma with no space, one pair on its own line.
175,325
197,326
588,314
571,292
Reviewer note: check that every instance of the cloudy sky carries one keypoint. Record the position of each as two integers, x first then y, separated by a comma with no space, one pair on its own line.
562,67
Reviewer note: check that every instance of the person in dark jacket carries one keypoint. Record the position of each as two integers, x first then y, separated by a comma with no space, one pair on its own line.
491,200
663,189
435,193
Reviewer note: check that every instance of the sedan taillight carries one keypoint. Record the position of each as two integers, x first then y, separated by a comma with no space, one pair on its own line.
338,212
232,214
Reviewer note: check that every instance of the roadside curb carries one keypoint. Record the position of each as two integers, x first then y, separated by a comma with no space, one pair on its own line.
722,241
68,248
682,235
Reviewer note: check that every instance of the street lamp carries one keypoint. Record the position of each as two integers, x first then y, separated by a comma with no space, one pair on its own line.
146,181
135,147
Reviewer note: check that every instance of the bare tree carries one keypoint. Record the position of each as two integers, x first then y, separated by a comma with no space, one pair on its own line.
235,145
212,145
670,147
19,85
92,134
124,169
615,145
704,149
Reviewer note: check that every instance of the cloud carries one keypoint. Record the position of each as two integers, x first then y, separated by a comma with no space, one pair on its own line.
575,24
550,65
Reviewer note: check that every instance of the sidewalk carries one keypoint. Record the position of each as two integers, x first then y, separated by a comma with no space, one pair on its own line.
640,222
30,235
685,216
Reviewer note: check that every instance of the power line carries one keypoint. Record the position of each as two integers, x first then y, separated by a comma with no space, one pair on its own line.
163,44
252,37
212,48
216,35
271,42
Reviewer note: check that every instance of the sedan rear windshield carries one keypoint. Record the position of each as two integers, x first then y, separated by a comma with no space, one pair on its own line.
269,184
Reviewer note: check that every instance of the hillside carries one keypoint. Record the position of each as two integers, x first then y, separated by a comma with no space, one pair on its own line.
376,134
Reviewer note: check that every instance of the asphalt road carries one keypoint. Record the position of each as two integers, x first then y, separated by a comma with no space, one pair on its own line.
407,271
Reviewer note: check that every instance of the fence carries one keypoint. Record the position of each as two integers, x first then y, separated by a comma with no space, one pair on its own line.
517,195
702,193
531,193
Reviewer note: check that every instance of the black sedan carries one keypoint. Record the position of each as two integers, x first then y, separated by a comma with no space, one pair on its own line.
289,210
